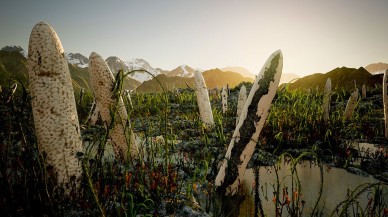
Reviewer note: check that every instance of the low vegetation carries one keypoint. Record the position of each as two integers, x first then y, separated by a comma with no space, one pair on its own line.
179,155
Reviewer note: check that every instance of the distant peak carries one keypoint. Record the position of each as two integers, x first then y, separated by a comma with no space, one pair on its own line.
12,48
15,48
241,70
78,59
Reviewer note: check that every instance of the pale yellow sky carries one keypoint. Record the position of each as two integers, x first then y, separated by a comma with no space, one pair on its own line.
314,36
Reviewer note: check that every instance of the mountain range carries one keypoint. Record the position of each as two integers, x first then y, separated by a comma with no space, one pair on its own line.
13,64
214,78
116,64
77,59
241,70
377,68
183,71
341,78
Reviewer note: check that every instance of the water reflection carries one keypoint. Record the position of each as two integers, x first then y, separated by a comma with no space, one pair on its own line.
337,183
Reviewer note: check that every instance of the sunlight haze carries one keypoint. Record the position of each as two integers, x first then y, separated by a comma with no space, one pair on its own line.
314,36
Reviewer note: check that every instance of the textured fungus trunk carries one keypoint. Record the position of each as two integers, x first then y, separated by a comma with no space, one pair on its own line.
224,96
242,98
53,103
93,114
251,122
205,110
128,96
363,90
351,105
107,103
326,101
215,94
385,101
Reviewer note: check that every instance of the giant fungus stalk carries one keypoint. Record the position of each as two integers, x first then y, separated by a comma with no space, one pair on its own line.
363,91
385,102
326,101
351,105
111,108
242,98
224,98
205,110
53,103
249,126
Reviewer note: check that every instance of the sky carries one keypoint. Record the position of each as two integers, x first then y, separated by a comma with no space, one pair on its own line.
315,36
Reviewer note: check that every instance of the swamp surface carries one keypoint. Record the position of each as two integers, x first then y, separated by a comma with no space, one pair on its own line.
180,156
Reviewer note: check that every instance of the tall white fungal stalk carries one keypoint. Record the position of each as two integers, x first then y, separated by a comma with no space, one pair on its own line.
326,100
212,94
363,91
107,103
224,96
205,110
215,94
351,105
128,96
53,103
250,124
385,101
242,98
93,114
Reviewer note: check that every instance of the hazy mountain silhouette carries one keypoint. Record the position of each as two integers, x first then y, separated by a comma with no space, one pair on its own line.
182,71
377,68
13,65
241,70
213,78
340,78
217,78
77,59
168,83
288,77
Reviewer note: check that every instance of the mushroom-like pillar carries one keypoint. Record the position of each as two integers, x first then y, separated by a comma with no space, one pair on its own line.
53,103
128,96
326,101
120,133
363,91
242,98
81,95
224,96
351,105
249,126
215,94
385,102
205,110
93,114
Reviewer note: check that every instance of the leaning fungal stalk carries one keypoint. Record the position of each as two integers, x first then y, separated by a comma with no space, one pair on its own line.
385,101
205,110
108,103
249,126
242,98
363,91
351,105
93,114
127,94
326,101
53,103
224,96
215,94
